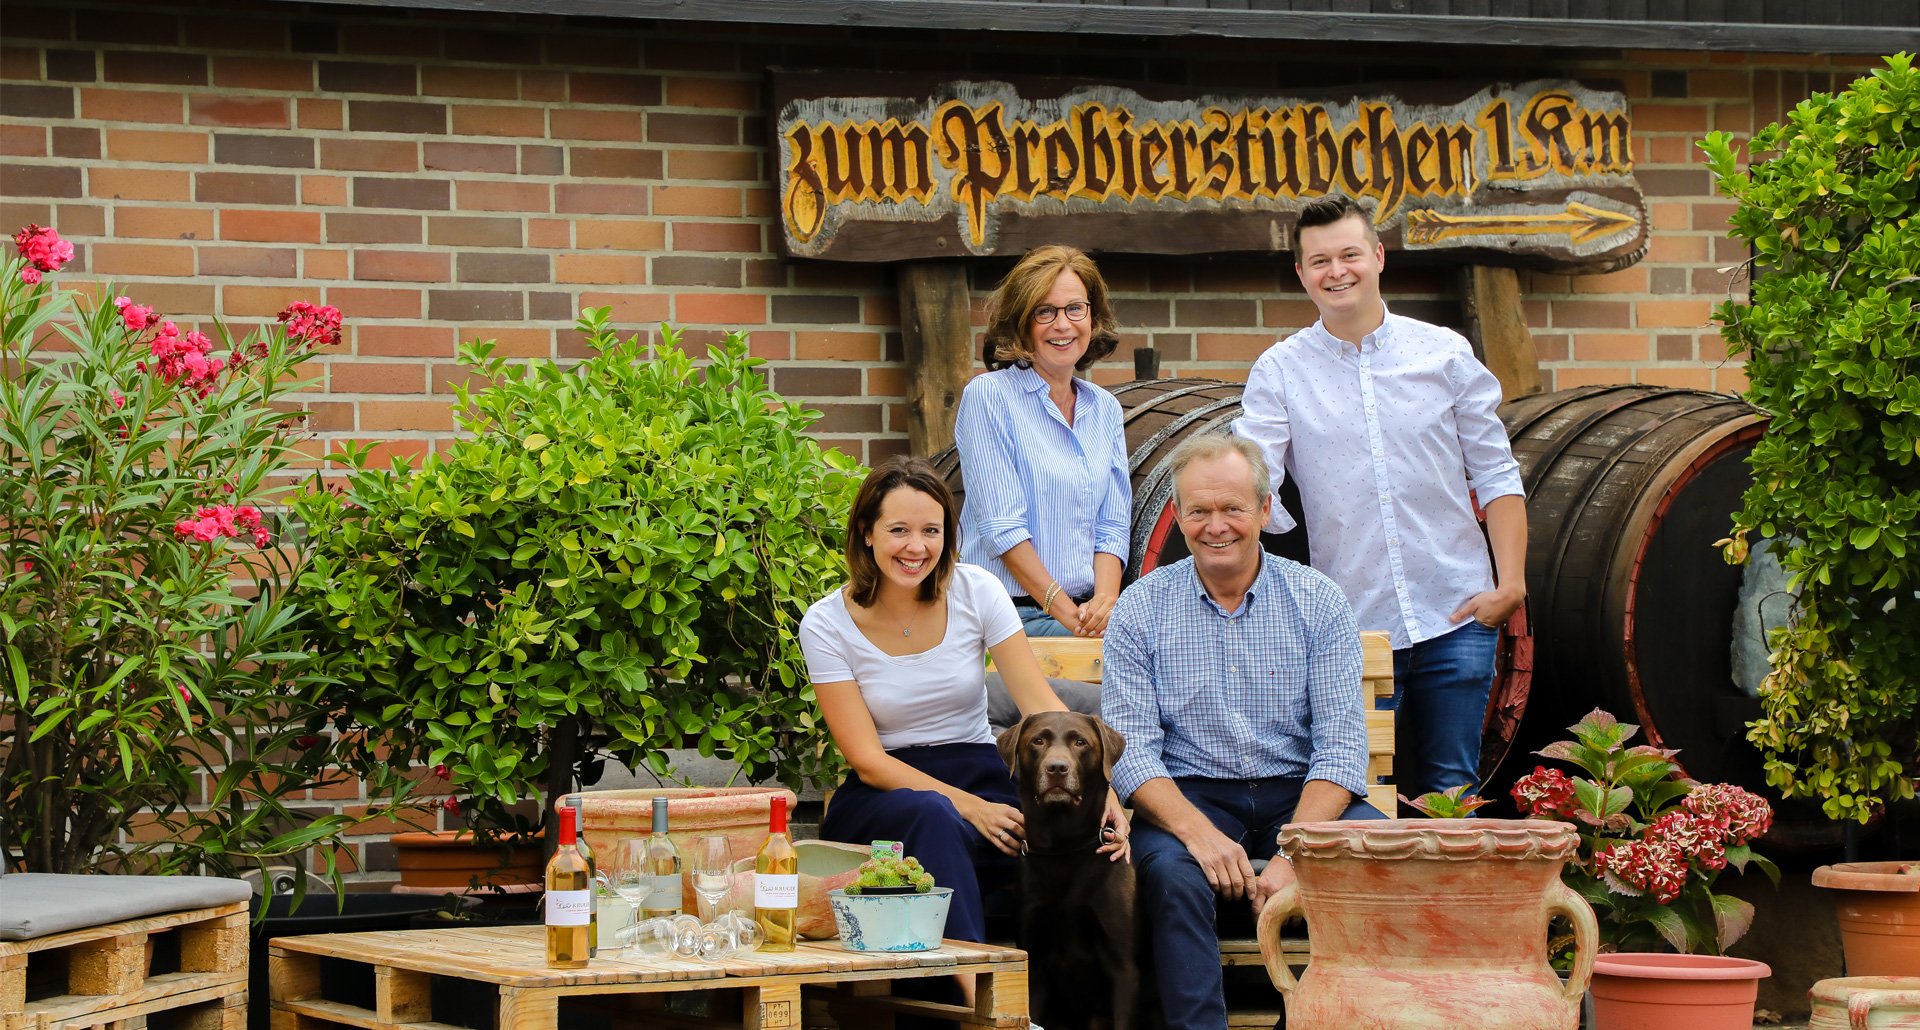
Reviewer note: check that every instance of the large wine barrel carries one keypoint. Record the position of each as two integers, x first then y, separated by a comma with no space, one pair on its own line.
1632,606
1158,414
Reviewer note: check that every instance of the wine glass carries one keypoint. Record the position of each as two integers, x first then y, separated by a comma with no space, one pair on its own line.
631,882
712,872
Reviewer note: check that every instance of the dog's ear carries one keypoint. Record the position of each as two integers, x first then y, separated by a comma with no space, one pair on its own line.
1111,744
1009,744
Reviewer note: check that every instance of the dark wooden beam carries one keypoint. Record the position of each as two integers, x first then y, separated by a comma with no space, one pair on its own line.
1490,299
1190,19
936,325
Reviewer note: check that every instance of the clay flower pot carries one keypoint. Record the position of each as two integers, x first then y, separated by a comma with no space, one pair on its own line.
737,813
454,860
1429,924
1879,909
1866,1003
1647,991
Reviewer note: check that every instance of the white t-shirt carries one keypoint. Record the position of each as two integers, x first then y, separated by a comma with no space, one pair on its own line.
938,696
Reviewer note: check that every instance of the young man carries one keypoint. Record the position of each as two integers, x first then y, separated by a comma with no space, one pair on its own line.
1389,427
1235,677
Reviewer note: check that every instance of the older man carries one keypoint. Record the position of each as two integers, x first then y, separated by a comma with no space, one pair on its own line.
1235,677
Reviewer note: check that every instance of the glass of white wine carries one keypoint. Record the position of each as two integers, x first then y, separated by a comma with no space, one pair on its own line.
632,883
712,873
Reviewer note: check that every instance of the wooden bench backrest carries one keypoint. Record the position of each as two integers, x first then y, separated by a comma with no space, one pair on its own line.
1079,658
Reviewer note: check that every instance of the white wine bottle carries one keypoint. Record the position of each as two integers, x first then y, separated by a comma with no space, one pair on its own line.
569,901
663,866
776,882
593,875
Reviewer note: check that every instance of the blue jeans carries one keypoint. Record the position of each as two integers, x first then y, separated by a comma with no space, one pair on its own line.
1039,623
1179,904
1440,689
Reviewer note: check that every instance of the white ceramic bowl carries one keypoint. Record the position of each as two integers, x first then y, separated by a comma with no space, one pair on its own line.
891,922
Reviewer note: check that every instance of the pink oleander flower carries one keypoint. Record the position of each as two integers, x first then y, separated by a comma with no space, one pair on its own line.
311,324
1742,815
119,399
43,250
451,804
1546,792
307,741
135,316
217,521
443,772
183,361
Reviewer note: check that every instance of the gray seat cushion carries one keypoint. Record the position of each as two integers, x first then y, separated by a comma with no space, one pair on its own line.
1002,712
37,904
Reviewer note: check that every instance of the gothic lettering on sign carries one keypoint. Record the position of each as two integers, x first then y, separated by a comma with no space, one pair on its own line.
1537,173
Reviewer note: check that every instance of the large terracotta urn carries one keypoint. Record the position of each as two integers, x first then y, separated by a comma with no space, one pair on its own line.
737,813
1866,1003
1429,924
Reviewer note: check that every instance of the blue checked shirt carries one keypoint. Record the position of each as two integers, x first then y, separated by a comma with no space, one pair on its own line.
1269,690
1385,441
1030,476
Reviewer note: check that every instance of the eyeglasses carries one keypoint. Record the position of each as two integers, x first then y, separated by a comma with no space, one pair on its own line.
1045,314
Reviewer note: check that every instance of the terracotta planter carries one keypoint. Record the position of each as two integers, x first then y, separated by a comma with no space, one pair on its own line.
453,860
1429,924
1866,1003
1645,991
1879,910
738,813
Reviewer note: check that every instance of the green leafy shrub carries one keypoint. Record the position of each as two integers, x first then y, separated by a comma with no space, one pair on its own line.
616,556
154,712
1831,206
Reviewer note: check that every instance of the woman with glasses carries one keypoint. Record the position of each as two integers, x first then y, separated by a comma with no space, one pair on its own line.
1043,452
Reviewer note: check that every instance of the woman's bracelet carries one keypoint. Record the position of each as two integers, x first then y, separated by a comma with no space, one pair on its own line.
1053,591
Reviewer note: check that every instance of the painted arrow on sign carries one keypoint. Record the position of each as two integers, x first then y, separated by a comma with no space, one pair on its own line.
1580,223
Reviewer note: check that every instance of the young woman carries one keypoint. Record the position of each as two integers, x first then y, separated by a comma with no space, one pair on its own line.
1044,454
897,663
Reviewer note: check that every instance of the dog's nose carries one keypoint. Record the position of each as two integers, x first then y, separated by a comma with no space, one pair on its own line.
1056,767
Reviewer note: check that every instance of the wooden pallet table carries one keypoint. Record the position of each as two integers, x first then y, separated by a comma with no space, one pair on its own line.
184,969
391,977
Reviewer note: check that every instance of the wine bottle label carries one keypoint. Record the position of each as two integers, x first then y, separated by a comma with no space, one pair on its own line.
665,893
776,890
569,908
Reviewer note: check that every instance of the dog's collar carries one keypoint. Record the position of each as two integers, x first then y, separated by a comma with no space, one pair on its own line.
1027,848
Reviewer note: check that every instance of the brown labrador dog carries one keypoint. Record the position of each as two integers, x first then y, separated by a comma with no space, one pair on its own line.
1077,907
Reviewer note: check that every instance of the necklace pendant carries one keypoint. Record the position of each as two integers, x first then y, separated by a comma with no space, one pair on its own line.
906,631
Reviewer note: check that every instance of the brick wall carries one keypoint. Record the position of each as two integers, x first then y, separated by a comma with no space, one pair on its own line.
443,176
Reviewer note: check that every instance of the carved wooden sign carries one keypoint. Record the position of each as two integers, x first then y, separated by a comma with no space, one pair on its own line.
1537,174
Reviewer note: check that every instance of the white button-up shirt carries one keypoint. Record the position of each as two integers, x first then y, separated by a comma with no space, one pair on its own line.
1385,442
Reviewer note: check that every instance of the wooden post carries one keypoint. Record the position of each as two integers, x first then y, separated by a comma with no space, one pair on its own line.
1490,298
936,325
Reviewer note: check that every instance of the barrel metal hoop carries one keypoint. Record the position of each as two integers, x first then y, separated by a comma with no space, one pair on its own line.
1187,418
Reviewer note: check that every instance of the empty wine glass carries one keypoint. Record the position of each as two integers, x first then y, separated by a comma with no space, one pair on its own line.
712,872
731,934
631,882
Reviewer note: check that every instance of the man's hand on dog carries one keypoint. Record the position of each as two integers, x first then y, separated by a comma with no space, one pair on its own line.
1002,825
1115,834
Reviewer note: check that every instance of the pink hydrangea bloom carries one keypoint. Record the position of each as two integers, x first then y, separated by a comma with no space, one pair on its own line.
1647,867
43,250
1545,792
311,324
1696,839
1740,814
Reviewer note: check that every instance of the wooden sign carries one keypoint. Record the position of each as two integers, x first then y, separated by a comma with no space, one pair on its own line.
875,168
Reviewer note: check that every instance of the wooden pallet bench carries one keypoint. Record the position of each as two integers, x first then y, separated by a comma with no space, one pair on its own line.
183,969
387,980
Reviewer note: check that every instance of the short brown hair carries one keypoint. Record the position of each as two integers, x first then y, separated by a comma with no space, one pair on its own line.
1010,310
1208,446
1326,211
898,472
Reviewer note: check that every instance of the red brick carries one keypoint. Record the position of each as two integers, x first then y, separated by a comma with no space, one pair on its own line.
634,91
724,94
496,120
370,302
140,259
1665,150
1652,117
23,140
138,184
323,264
1231,346
253,262
630,309
605,268
477,83
838,346
405,416
615,163
1626,280
263,301
1611,347
394,78
321,113
470,157
382,265
377,377
422,341
1672,249
244,188
404,116
271,226
495,267
137,145
726,165
1673,314
490,195
551,233
716,237
247,112
425,194
370,155
574,123
1730,378
125,105
148,67
349,227
457,231
162,223
21,63
575,198
514,341
74,141
289,75
543,86
1689,378
1596,314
